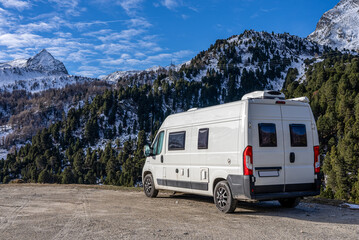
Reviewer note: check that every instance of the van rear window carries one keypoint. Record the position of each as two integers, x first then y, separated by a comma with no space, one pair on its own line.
203,138
267,135
176,141
298,135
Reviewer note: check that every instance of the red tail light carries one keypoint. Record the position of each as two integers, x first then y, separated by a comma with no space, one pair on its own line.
248,161
280,102
316,159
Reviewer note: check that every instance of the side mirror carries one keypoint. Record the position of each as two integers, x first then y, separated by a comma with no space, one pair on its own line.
147,151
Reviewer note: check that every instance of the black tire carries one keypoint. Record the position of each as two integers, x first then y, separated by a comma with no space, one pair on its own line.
149,186
289,202
223,198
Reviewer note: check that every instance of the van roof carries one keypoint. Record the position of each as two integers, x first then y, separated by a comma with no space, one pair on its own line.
225,111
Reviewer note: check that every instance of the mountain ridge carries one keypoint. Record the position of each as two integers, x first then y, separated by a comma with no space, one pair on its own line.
266,53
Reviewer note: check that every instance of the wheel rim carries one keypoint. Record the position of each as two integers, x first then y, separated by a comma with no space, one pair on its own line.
222,197
148,185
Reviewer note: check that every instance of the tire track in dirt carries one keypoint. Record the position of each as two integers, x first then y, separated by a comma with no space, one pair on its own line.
80,215
8,220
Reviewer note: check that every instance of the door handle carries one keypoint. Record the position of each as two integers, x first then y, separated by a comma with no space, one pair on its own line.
161,158
292,157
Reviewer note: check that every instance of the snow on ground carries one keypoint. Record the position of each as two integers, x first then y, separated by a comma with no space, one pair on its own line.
351,206
3,153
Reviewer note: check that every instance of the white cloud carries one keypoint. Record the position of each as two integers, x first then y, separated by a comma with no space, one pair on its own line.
81,55
63,34
90,71
125,56
98,33
84,25
71,7
170,4
21,40
126,34
130,6
36,27
17,4
139,22
184,16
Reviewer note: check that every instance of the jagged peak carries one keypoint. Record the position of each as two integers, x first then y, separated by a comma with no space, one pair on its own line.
43,57
44,61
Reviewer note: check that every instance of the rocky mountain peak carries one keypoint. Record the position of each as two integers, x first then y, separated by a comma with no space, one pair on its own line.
338,27
45,62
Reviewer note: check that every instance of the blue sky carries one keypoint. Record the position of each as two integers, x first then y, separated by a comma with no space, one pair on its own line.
97,37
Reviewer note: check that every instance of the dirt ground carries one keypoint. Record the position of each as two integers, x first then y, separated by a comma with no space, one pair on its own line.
78,212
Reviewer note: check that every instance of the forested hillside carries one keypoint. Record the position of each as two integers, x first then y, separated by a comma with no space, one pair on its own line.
24,113
102,141
332,87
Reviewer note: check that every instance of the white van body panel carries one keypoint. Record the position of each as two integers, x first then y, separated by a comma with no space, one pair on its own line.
230,129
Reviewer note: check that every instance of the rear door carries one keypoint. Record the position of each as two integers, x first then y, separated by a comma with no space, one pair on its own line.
298,145
265,125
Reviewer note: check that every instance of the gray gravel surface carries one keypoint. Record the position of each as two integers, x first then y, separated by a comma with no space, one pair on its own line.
77,212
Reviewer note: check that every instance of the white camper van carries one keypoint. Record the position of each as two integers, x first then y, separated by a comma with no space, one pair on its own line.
263,147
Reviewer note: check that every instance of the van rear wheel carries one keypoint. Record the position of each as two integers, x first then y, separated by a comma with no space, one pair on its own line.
149,186
289,202
223,198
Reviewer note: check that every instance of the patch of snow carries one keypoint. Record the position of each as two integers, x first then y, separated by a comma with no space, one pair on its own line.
351,206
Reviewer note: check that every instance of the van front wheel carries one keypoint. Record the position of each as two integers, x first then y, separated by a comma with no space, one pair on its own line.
289,202
149,186
223,198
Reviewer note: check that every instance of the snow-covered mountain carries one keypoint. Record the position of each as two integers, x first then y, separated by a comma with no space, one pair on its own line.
267,56
338,27
37,73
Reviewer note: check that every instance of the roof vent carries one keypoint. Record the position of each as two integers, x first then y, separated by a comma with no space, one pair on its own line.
267,94
192,109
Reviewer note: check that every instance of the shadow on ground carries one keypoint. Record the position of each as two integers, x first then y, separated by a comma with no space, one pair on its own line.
306,211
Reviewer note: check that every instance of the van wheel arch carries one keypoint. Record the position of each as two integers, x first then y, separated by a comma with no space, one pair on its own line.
217,180
146,173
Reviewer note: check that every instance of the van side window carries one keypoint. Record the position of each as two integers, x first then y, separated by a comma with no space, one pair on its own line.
176,140
158,143
203,138
298,135
267,135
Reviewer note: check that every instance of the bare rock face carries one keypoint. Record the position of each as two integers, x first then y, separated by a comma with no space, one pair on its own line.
45,62
339,27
